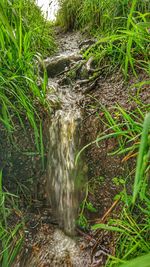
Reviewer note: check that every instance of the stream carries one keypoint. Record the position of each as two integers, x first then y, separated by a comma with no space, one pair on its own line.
63,174
58,246
64,142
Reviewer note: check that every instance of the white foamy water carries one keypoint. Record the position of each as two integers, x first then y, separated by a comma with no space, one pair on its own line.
49,8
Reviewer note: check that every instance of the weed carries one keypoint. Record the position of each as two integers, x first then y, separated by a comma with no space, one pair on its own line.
133,224
86,205
23,33
11,239
121,27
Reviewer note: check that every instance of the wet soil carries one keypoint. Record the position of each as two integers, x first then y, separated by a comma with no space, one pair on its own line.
108,92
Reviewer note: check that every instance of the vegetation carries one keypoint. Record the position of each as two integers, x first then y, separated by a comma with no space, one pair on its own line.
121,29
11,236
25,39
133,223
132,226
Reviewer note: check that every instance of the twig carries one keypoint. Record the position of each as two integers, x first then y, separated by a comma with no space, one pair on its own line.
86,236
102,220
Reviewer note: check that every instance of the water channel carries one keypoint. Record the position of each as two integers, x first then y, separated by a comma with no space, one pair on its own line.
57,245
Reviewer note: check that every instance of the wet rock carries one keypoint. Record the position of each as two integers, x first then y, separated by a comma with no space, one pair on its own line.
58,64
87,43
65,81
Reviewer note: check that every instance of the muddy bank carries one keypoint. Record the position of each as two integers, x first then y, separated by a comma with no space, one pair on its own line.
20,162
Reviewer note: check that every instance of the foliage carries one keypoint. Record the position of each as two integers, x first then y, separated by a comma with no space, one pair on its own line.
127,47
143,167
134,223
25,38
104,15
40,30
23,32
67,13
84,207
11,239
133,138
121,27
140,261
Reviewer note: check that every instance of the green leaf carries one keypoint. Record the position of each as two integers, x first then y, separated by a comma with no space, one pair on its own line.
143,261
107,227
90,207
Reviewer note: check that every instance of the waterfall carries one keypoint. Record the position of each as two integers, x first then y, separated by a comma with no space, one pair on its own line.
64,176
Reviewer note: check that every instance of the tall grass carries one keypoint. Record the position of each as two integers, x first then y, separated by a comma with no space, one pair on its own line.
68,13
126,45
105,15
11,237
23,39
133,238
133,224
121,27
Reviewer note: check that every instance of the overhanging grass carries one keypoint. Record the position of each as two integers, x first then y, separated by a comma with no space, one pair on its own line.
133,225
121,27
11,237
25,36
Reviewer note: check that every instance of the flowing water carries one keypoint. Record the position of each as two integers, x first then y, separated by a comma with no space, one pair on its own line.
64,142
55,247
64,176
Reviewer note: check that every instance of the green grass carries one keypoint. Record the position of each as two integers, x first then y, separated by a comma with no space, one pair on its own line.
133,238
121,27
140,261
132,226
104,15
11,236
25,37
67,13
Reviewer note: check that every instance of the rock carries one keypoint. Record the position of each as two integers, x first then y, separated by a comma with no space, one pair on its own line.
87,42
58,64
65,81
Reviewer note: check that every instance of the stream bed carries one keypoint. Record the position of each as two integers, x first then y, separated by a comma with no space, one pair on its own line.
56,244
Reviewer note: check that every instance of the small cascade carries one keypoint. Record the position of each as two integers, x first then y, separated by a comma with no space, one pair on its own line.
64,176
62,172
